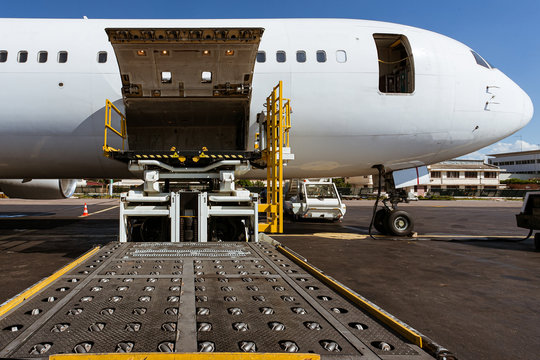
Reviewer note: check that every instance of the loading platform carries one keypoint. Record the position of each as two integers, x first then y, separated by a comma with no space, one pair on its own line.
183,298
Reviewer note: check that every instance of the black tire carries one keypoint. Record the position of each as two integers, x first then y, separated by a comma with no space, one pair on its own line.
188,235
228,229
380,221
399,223
151,229
537,241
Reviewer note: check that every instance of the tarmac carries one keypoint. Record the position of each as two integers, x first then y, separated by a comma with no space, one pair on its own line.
466,280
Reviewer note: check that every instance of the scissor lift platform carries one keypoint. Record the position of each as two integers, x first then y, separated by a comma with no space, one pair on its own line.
194,158
198,297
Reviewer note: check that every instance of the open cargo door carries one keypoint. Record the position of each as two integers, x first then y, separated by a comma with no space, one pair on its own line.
186,88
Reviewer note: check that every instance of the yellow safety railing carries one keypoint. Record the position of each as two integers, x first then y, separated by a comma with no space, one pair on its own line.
109,107
278,124
287,120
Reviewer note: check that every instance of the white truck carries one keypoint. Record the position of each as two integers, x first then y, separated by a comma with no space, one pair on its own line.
314,199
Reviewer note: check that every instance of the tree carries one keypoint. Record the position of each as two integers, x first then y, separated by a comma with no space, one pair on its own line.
340,183
243,183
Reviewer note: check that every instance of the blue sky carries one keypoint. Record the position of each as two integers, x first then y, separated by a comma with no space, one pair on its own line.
505,32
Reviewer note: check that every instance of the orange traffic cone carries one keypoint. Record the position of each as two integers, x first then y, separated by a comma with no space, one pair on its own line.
85,212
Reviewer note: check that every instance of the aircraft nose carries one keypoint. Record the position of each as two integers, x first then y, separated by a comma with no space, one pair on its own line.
528,109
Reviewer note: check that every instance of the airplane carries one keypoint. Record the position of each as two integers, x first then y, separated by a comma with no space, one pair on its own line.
367,97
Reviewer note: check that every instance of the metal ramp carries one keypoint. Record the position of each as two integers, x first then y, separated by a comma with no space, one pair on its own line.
232,298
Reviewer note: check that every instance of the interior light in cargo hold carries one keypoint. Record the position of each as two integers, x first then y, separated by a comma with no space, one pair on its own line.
166,77
206,77
229,52
141,52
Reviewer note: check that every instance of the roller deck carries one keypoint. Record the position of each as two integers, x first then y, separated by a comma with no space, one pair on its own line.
155,298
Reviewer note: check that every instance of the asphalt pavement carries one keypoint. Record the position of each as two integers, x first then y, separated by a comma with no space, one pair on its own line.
465,280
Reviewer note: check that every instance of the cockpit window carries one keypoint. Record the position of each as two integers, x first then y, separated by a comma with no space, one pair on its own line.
396,65
480,61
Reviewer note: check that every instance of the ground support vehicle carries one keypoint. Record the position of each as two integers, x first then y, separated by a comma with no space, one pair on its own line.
529,217
311,199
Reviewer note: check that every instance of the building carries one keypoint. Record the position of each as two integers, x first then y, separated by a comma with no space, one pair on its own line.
519,165
452,174
360,182
461,174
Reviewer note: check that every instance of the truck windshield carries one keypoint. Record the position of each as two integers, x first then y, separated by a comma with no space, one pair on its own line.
325,191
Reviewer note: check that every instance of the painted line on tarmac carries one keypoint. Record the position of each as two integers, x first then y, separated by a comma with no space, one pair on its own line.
442,236
471,236
69,236
7,237
339,236
356,236
353,228
294,235
100,211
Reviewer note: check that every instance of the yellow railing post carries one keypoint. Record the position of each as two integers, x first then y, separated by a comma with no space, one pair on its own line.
109,106
280,162
277,137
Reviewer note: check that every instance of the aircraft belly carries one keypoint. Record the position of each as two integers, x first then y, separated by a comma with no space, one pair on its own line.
31,156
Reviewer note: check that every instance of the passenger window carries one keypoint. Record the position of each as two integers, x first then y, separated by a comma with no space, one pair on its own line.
301,56
42,56
341,56
102,57
261,56
479,60
396,66
3,55
281,56
321,56
22,57
62,57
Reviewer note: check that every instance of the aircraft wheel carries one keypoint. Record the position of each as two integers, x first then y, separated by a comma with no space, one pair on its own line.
151,229
228,229
399,223
380,221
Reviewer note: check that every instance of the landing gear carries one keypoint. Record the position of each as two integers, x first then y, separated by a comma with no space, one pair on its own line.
393,222
400,223
380,221
389,220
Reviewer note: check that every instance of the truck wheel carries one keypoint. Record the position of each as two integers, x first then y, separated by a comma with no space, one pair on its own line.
537,241
399,223
380,221
151,229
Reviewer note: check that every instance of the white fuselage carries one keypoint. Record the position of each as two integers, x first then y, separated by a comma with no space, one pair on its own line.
342,123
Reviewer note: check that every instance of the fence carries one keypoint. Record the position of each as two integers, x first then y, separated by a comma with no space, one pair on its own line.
485,193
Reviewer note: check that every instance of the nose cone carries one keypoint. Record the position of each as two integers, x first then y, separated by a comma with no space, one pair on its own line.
528,109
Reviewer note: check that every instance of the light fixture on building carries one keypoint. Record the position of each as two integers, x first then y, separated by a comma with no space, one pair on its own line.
229,52
141,52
